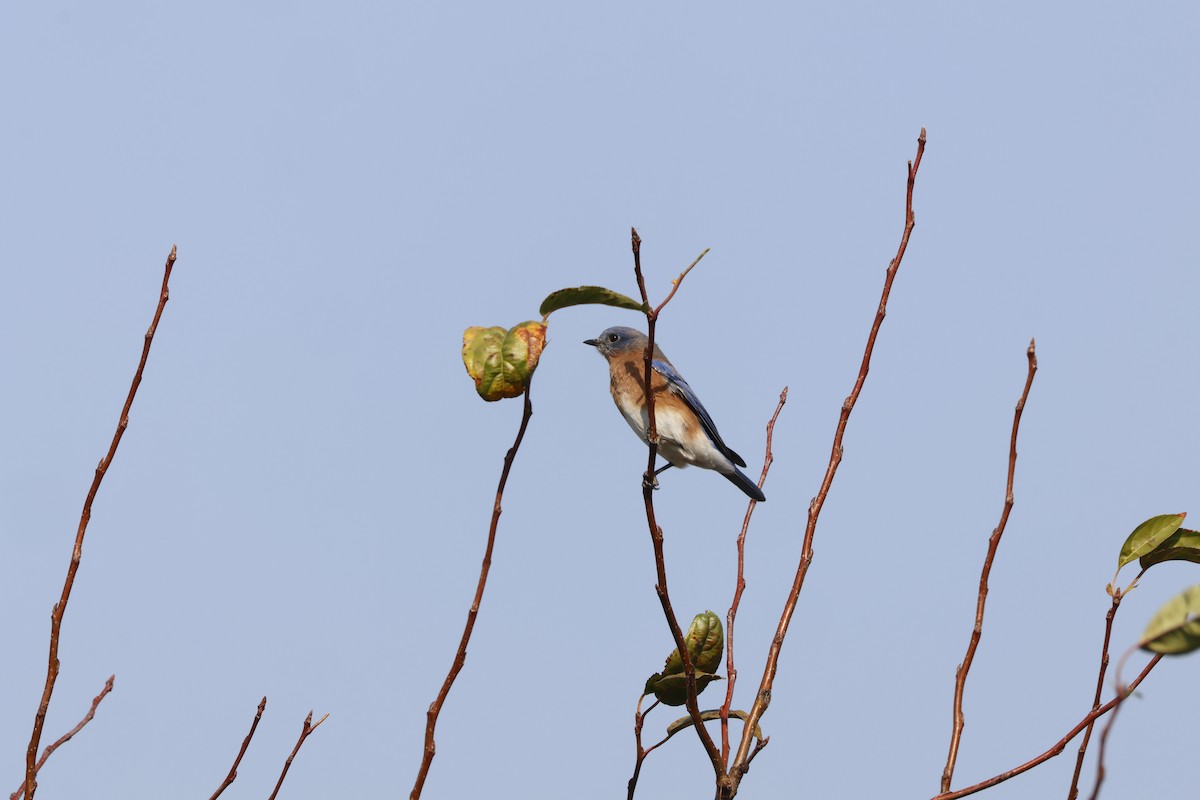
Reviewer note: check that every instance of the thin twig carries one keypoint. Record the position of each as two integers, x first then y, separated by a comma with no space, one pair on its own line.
639,719
740,586
656,534
1058,747
460,658
1087,734
674,284
56,616
1103,748
741,761
66,737
960,675
308,728
232,776
1123,692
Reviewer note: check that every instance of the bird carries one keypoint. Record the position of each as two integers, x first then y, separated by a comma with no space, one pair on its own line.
687,434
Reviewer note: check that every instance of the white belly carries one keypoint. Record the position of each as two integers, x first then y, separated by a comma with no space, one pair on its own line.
674,444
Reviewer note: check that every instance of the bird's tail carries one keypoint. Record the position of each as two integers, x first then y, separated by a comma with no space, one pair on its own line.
746,485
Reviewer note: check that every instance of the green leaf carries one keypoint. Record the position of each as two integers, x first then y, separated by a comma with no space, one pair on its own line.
1175,629
705,643
1182,545
587,295
671,690
1147,536
502,362
708,716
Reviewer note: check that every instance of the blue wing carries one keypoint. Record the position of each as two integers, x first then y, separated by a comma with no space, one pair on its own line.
680,387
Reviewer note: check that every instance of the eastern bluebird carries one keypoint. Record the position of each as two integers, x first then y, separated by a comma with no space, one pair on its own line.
686,433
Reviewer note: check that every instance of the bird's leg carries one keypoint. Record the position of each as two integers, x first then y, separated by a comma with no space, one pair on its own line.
652,480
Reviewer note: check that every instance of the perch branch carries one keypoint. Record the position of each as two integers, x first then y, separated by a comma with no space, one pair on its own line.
656,534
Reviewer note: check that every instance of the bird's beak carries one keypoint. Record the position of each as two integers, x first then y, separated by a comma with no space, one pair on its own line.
592,342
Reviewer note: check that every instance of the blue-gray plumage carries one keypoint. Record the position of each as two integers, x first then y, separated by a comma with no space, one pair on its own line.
687,434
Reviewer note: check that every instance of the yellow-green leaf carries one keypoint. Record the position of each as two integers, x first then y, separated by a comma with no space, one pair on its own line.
1182,545
1147,536
587,295
705,643
500,361
1175,629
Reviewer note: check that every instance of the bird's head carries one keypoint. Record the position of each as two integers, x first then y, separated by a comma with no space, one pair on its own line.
619,341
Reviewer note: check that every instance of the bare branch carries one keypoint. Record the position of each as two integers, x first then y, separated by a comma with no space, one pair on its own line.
56,616
1087,734
740,586
304,732
1122,693
741,761
960,677
639,718
1058,747
675,283
66,737
460,658
232,776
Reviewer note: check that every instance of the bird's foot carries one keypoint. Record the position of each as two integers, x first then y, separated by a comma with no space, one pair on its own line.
650,480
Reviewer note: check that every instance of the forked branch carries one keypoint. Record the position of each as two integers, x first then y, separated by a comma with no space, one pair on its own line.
308,728
66,737
60,608
1058,746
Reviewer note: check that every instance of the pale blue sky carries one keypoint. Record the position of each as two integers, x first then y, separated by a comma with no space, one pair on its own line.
300,504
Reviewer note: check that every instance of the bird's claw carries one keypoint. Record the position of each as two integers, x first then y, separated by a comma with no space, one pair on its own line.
650,481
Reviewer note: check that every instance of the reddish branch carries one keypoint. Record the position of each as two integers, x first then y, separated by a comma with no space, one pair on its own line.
960,675
232,776
741,762
66,737
56,616
460,658
1087,734
639,720
1122,693
656,534
1104,745
304,732
731,671
1059,746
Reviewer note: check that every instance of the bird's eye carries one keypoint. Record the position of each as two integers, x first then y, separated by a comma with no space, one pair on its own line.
612,337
